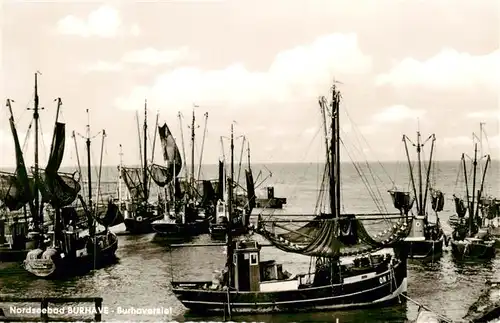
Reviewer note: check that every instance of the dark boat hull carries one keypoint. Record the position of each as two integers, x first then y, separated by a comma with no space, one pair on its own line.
425,249
179,230
68,266
473,250
270,203
12,255
140,226
374,291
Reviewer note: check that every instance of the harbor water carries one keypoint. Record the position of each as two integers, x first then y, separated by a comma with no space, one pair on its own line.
140,279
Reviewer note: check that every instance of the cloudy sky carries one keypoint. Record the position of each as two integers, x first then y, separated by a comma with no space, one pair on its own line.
403,64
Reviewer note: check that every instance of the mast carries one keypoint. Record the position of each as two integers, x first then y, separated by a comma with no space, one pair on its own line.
325,128
480,192
419,147
337,143
202,145
410,166
481,124
192,150
89,169
145,156
184,162
474,170
248,151
230,214
428,172
120,167
38,216
335,152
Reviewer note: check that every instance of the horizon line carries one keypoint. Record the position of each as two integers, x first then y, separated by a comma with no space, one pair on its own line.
265,163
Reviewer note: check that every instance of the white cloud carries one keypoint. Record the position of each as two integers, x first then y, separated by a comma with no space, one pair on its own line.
151,56
310,131
488,114
397,113
103,22
466,145
103,66
301,71
447,70
148,56
135,30
457,141
368,129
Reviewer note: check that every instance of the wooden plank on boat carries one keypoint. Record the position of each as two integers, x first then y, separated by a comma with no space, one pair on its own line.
363,217
212,245
358,215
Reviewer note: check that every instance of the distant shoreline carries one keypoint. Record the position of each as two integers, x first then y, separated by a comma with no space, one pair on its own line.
11,168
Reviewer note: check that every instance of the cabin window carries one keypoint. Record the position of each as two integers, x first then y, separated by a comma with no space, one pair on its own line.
234,259
253,259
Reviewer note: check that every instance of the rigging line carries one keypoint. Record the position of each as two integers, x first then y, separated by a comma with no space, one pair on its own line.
358,170
373,177
362,179
365,181
321,195
27,136
378,191
364,139
307,168
487,140
44,148
25,111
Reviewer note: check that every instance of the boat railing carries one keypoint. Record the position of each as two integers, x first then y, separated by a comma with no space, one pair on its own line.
14,313
191,284
304,278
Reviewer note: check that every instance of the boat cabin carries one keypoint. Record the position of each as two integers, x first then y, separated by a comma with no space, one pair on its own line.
251,274
220,213
417,232
270,192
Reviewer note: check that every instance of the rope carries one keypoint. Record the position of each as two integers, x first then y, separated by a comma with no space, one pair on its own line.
373,175
365,182
364,139
425,307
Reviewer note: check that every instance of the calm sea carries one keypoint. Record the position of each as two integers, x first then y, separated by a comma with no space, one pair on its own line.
146,265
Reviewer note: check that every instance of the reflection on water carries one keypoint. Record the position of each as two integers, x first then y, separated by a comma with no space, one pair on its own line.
141,278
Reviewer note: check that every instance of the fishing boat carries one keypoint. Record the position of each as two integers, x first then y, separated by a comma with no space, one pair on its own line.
352,269
470,238
490,210
180,216
190,203
139,212
426,239
242,206
489,204
20,191
70,250
270,202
